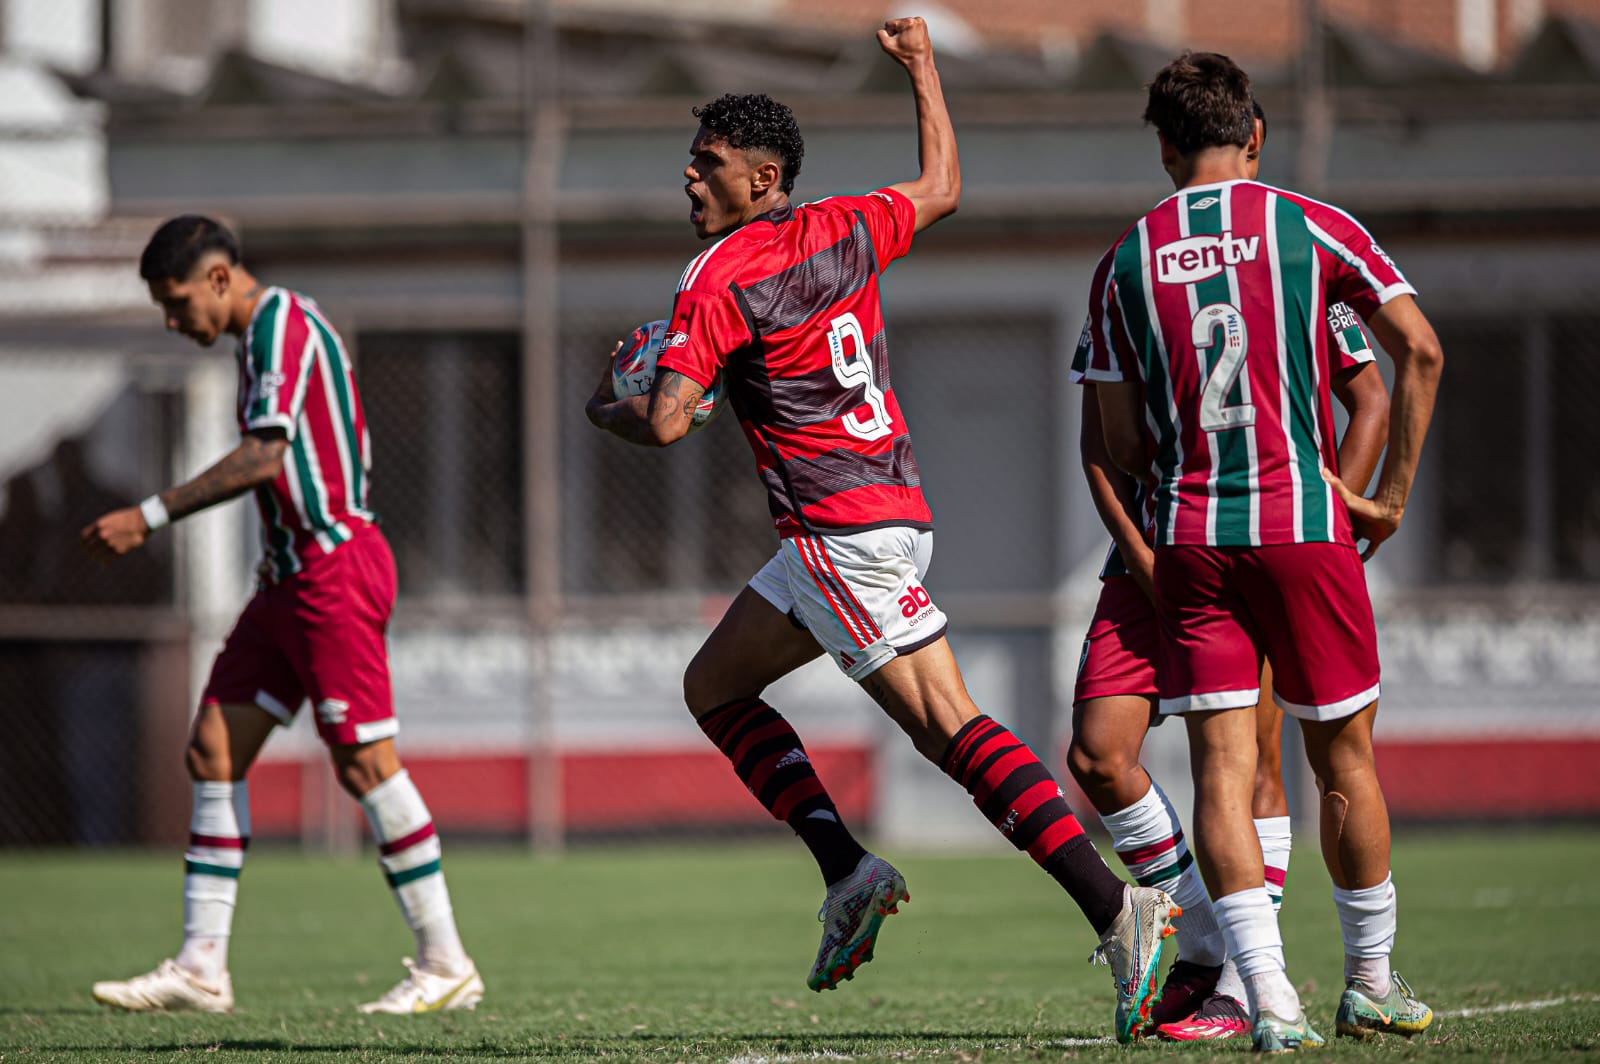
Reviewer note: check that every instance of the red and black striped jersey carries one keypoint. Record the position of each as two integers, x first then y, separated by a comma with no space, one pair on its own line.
786,309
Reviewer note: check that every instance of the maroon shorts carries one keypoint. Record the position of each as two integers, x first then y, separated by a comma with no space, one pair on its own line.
318,633
1119,653
1302,605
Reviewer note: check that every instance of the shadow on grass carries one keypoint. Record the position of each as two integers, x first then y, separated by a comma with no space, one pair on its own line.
450,1044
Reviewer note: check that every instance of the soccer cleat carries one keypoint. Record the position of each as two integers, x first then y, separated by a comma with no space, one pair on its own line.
422,991
854,909
1132,946
1399,1012
1273,1034
1218,1019
1185,988
170,988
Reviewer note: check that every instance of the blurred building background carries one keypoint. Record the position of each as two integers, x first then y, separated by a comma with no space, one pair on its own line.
483,194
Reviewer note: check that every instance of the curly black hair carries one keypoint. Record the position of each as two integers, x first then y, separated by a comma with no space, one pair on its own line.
757,121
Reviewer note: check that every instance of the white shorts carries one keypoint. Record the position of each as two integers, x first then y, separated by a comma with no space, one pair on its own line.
859,595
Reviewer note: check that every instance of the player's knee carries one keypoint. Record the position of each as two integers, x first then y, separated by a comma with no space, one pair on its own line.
704,689
206,761
1096,771
698,693
357,775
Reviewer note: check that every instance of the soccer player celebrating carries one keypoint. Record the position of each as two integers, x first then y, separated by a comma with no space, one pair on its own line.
314,628
1115,701
785,308
1209,327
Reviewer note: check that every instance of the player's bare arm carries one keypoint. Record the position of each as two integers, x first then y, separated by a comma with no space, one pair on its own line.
656,420
937,191
1404,332
1114,495
1361,392
1120,406
257,460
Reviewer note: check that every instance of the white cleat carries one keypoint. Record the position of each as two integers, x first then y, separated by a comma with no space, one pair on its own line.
1132,945
170,988
422,991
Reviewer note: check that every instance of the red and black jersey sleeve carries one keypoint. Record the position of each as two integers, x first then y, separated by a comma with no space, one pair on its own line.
890,217
705,328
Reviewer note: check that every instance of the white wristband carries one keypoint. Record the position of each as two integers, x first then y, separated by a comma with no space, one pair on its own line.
155,512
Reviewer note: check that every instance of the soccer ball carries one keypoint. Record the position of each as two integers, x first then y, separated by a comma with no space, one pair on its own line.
633,371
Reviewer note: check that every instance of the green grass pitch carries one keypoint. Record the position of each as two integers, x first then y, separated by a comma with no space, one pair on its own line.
700,953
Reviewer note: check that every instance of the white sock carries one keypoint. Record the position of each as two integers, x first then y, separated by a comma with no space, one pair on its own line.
219,832
1149,840
1367,919
409,853
1251,929
1231,984
1276,841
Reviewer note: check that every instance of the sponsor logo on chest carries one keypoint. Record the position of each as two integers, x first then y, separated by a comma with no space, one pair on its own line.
1199,258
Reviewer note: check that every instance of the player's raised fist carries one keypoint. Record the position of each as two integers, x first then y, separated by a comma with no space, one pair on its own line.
906,39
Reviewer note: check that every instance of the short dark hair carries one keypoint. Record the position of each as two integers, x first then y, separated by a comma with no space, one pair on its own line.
1201,100
1260,116
173,251
757,121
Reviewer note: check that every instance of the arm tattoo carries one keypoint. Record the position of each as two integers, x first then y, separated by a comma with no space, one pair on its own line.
255,461
674,398
652,420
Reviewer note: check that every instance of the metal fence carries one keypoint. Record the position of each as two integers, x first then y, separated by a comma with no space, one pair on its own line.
1488,602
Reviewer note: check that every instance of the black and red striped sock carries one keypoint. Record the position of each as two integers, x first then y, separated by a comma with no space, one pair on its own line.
1016,792
772,763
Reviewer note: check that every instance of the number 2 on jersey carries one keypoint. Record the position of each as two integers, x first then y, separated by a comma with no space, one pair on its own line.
857,373
1208,320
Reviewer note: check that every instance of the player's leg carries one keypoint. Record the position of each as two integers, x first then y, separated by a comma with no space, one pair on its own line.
1326,667
1269,809
1209,670
1269,806
758,641
863,597
335,631
410,855
1113,704
251,690
923,692
755,644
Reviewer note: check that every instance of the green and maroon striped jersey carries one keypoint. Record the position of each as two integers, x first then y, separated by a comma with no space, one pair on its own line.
1217,301
294,374
1348,347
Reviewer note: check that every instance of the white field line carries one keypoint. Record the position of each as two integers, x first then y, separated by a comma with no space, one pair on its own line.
1517,1006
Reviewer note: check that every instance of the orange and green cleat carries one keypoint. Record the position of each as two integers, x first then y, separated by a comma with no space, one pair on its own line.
851,915
1398,1012
1132,946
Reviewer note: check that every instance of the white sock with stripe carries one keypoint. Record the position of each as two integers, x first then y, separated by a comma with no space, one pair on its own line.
409,851
1149,840
1276,841
219,833
1367,919
1256,947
